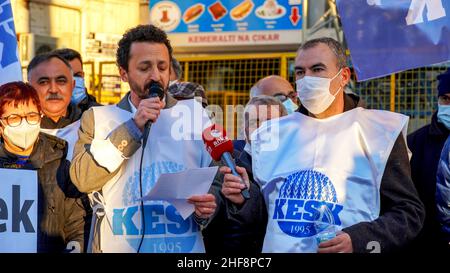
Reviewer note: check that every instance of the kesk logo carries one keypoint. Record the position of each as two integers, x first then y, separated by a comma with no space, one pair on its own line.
301,196
165,230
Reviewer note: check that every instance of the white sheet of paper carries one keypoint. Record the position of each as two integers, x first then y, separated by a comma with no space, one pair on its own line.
176,188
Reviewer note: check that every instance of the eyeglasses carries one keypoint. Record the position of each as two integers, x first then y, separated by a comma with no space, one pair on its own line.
15,120
291,95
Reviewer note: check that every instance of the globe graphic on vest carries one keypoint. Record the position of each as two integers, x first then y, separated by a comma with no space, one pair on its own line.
299,199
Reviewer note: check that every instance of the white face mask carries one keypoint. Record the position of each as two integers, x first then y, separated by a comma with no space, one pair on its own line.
78,93
314,93
290,106
23,136
443,115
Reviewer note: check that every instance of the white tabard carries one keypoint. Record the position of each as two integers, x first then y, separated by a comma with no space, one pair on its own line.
174,144
304,163
68,133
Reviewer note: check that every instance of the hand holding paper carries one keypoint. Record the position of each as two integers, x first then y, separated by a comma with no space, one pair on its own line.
177,188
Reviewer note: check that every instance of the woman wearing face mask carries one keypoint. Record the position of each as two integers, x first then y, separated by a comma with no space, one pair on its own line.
239,226
61,207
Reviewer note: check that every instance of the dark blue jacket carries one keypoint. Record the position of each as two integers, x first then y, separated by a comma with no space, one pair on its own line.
443,192
238,229
426,145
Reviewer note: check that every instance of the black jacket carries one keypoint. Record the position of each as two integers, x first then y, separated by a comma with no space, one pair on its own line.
88,102
61,207
426,145
73,114
238,229
401,212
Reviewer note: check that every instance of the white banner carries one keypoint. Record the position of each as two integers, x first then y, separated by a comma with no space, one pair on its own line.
18,211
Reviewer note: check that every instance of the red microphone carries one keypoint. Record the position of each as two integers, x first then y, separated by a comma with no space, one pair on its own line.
219,146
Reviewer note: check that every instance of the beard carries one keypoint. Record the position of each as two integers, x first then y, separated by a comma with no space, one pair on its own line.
143,91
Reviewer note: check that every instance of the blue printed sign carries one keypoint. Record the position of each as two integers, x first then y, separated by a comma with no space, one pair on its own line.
10,68
18,211
230,22
386,36
301,196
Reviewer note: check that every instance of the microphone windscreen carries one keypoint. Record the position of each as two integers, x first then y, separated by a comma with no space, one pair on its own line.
155,90
216,141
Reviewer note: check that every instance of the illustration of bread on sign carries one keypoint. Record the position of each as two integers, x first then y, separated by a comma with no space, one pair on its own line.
193,13
242,10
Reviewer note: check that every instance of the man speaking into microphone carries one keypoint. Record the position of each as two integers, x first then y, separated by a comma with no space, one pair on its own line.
113,163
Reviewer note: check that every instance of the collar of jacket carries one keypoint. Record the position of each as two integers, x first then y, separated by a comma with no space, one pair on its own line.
47,149
351,101
436,128
244,160
73,114
88,101
123,103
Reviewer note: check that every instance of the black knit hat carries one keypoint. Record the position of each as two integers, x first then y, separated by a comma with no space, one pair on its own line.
444,83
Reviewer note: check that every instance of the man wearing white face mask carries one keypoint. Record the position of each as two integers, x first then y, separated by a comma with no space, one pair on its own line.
349,169
273,86
278,87
426,145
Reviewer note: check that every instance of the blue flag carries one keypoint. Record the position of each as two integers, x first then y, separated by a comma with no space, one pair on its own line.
10,68
388,36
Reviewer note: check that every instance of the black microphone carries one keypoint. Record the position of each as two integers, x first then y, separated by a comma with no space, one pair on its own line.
154,90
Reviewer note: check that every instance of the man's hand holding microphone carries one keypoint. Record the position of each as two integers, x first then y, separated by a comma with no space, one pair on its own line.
236,183
149,108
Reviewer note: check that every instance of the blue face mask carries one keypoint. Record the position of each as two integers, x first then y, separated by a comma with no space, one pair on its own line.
443,115
290,106
79,92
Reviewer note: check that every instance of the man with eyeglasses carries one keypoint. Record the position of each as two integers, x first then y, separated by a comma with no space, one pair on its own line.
273,86
60,211
52,77
426,145
276,86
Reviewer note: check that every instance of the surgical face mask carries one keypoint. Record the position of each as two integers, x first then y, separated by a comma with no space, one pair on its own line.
23,136
79,92
290,106
443,115
314,93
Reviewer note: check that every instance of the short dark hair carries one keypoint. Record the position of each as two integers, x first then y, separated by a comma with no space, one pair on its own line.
334,45
18,92
141,33
38,59
68,54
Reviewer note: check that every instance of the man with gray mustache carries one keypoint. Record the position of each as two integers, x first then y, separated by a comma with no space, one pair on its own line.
52,77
